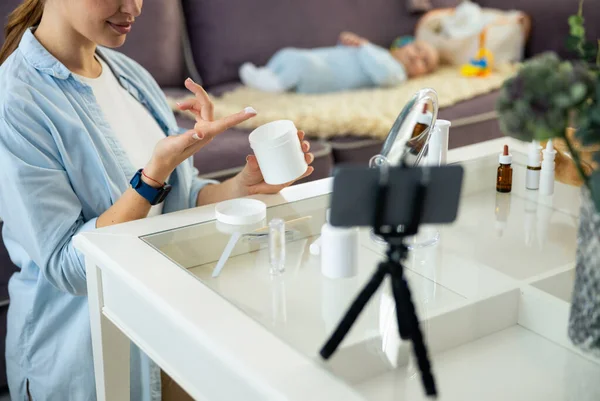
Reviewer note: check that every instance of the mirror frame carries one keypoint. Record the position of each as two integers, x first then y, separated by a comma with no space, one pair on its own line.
424,95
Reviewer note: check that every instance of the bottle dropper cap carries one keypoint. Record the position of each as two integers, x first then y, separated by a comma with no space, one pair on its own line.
549,155
425,117
505,157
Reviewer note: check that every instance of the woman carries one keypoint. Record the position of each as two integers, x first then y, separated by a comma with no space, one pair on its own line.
78,123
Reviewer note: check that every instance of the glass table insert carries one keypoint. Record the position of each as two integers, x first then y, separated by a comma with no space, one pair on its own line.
469,290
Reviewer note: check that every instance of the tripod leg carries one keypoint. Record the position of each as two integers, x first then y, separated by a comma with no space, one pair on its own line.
417,340
404,328
352,314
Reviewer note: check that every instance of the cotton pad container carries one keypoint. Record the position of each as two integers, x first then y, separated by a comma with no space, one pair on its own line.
278,151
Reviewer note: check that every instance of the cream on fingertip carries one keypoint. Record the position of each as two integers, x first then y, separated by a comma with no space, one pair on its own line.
250,110
196,137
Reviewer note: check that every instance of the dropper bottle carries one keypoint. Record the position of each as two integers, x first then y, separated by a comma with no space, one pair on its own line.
424,120
547,174
504,177
534,166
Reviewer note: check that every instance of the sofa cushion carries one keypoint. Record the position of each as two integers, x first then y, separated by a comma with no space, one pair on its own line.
155,40
225,34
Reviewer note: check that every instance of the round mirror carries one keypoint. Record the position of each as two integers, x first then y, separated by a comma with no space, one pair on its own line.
406,143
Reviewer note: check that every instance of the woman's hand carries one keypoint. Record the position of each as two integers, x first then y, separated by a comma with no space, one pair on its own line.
352,39
173,150
250,180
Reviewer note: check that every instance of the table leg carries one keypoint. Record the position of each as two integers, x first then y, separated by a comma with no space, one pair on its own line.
110,346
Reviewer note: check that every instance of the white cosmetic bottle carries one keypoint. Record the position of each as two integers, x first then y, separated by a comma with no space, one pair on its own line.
547,174
534,166
437,152
339,251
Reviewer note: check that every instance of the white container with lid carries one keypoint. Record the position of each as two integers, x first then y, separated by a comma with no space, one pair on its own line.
339,251
278,151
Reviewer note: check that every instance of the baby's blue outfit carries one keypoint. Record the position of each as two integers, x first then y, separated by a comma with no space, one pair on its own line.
332,69
61,167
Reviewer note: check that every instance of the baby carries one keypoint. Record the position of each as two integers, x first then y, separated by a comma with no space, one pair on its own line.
355,64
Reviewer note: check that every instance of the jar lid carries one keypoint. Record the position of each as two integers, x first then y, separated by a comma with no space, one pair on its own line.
241,211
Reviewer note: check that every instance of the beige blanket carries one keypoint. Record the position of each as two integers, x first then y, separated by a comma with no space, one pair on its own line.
365,112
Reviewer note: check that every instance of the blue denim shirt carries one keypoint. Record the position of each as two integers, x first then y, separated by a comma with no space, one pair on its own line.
61,166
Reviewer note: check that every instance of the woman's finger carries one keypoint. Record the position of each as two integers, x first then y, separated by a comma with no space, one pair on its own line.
264,188
197,90
252,163
305,146
309,171
192,138
218,126
191,105
204,104
309,157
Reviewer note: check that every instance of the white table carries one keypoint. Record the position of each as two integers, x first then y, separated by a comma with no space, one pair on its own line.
492,296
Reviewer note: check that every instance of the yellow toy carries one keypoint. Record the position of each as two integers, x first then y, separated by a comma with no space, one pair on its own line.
481,65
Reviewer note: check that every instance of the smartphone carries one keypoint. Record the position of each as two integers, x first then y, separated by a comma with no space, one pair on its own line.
353,202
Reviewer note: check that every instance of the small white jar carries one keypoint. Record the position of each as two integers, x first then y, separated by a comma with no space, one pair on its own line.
339,251
278,151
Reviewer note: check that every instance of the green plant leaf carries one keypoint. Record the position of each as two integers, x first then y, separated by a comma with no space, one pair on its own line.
575,20
572,43
578,92
561,100
589,51
578,31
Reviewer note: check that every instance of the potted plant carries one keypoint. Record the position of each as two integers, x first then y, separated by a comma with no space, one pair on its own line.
550,98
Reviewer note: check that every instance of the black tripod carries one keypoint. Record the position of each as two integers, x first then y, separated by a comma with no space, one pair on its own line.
408,323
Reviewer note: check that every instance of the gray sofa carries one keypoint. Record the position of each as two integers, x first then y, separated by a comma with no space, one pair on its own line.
209,39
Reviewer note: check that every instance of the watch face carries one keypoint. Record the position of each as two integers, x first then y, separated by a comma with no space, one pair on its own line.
162,194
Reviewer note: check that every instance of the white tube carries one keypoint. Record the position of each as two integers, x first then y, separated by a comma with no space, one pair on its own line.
339,251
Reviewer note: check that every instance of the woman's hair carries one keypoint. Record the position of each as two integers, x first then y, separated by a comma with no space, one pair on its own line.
28,14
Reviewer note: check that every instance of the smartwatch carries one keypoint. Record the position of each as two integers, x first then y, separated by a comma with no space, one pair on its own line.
148,192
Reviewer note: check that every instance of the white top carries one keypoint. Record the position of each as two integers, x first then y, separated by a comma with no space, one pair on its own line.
133,125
